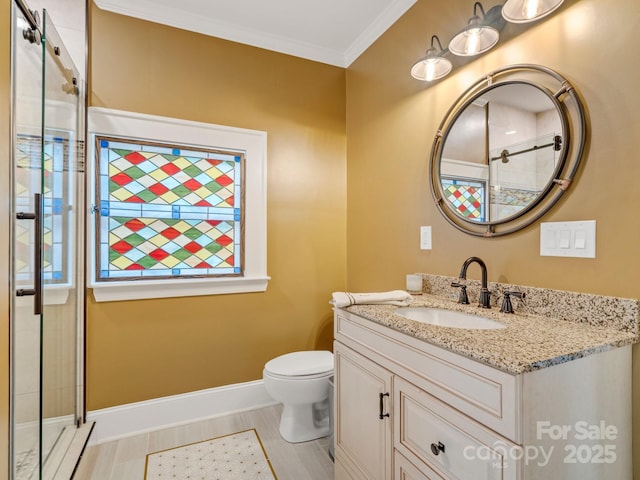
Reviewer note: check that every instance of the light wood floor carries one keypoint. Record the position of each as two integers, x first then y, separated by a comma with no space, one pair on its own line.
125,459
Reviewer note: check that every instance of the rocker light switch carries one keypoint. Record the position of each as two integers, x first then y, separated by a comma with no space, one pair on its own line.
568,239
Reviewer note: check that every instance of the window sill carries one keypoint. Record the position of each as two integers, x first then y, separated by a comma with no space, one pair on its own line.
139,290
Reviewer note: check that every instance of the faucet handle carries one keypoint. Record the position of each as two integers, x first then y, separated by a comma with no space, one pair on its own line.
519,295
507,307
463,298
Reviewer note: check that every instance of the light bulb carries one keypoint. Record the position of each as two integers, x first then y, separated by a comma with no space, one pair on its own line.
431,70
472,44
531,9
524,11
433,66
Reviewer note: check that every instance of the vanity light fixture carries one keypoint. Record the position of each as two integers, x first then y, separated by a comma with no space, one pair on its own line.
524,11
434,65
480,35
477,37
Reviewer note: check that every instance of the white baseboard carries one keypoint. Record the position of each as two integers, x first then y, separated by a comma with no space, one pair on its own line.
134,418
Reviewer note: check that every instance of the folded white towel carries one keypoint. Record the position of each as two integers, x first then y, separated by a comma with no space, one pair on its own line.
394,297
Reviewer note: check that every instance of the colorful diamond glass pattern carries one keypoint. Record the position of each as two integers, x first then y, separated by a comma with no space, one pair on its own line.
466,196
168,211
55,225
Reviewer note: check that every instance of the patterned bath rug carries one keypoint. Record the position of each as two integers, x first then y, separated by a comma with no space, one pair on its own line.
239,456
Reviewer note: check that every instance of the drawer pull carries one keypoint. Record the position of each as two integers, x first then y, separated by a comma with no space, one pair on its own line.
382,414
436,448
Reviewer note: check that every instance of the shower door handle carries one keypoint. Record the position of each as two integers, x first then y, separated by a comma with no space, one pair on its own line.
36,291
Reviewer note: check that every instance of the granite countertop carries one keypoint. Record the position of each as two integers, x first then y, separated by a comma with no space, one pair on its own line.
528,343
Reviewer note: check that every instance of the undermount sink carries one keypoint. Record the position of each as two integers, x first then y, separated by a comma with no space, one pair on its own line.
448,318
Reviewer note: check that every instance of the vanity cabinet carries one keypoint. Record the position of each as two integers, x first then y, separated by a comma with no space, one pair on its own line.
363,394
409,410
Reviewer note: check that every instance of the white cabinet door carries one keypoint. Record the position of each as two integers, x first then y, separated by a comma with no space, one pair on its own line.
363,432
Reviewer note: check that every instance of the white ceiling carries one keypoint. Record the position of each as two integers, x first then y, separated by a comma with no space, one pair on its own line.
335,32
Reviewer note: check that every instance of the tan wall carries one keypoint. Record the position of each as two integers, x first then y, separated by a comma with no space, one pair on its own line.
145,349
5,199
393,118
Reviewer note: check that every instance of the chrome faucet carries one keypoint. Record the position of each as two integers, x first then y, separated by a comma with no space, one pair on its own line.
485,294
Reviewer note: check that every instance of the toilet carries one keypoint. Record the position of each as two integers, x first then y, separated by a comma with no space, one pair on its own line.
300,381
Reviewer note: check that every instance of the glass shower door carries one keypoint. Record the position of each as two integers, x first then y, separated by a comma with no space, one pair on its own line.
27,184
63,133
47,310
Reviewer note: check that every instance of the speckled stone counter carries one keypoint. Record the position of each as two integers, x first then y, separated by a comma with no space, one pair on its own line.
530,341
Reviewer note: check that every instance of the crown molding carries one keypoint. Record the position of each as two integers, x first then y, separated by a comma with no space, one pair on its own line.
179,18
381,24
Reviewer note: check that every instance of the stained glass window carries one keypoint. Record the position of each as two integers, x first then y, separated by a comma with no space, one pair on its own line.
466,196
167,211
54,158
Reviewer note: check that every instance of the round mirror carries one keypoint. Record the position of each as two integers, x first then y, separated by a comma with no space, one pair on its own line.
507,150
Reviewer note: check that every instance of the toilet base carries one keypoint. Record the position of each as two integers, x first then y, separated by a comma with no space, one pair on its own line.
297,424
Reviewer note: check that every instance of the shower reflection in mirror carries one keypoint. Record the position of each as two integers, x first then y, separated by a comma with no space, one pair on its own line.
501,153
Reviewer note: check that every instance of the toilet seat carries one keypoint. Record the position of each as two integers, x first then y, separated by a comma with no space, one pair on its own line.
303,365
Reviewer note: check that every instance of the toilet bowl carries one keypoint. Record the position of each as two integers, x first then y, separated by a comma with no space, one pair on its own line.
300,381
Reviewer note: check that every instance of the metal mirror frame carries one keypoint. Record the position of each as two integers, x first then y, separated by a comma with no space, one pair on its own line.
573,119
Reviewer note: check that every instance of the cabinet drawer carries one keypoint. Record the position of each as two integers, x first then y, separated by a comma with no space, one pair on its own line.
405,470
484,393
469,451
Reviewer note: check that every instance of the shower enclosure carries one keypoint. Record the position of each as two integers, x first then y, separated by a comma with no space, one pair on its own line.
47,273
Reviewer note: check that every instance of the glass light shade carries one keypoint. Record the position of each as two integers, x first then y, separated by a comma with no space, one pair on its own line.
431,67
474,39
523,11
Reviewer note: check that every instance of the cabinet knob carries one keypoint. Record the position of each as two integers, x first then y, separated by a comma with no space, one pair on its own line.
436,448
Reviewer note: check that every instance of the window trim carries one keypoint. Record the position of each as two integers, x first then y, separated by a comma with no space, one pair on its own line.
103,121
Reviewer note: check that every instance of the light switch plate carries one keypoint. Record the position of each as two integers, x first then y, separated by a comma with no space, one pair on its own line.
568,239
425,238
